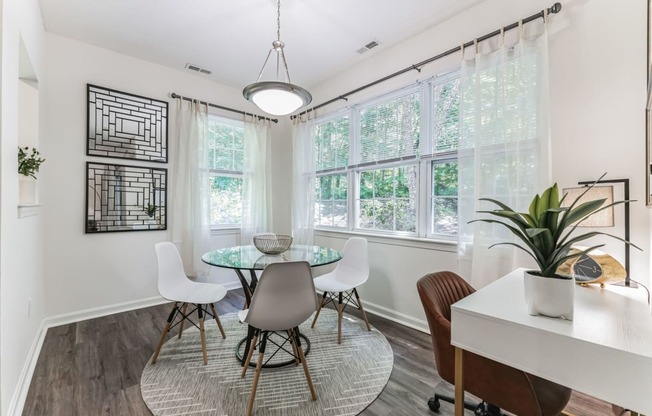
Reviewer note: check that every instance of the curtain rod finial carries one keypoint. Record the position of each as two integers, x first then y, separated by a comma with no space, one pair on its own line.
556,8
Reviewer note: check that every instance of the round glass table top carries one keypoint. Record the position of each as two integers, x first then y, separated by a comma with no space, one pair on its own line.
249,258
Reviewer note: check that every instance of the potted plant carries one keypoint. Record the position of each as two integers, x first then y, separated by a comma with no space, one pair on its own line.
29,164
150,209
547,233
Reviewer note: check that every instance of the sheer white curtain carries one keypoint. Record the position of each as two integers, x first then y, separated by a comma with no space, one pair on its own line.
257,187
190,209
303,180
504,144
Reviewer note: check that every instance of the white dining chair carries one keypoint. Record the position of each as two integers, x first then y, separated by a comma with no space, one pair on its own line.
283,300
340,284
174,285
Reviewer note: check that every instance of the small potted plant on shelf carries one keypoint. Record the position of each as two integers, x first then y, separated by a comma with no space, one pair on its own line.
546,232
29,163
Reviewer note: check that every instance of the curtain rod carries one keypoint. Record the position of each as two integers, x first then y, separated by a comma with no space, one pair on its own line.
555,8
174,95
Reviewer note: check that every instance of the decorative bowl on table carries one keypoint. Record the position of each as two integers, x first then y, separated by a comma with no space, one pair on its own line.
272,244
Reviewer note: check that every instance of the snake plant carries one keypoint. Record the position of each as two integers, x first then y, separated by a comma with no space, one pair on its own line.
546,231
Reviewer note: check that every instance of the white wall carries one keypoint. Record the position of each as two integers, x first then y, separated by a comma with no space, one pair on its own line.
21,245
597,97
87,271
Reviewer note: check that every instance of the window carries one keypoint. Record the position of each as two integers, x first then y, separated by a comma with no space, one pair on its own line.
390,165
226,152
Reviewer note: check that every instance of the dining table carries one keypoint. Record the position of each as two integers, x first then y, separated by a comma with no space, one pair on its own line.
247,258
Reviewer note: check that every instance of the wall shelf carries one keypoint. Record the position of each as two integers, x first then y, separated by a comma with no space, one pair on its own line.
28,210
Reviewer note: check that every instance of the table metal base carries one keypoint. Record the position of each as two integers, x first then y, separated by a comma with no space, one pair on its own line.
305,344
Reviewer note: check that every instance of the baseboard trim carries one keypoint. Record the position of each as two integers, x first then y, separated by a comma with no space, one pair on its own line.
394,316
20,394
69,318
398,317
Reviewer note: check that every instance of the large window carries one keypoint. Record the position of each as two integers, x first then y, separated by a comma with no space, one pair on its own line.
226,152
390,165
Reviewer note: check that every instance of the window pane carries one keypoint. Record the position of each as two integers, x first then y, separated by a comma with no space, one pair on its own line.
445,179
390,130
406,215
225,144
444,215
226,200
445,121
384,183
330,201
367,185
444,198
388,199
332,144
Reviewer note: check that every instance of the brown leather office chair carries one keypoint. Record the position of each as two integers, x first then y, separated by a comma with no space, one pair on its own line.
504,387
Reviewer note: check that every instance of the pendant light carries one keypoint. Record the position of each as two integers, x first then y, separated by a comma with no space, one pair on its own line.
277,97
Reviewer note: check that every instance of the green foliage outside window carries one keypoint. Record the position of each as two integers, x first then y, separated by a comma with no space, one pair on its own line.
388,199
226,200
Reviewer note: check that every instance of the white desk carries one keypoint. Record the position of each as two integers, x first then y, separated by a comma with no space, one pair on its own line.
606,352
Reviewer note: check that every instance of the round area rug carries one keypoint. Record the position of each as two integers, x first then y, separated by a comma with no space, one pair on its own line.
347,377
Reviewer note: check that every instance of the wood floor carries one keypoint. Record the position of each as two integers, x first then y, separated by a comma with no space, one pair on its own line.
93,367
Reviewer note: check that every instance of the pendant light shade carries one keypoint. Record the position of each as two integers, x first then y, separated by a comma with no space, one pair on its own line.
277,97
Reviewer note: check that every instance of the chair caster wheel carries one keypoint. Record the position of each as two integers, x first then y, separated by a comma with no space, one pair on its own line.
434,404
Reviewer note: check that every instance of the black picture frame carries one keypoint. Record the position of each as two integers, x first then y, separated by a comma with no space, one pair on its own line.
125,198
126,126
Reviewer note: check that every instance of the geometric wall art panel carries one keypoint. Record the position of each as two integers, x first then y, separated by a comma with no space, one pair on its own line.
125,198
126,126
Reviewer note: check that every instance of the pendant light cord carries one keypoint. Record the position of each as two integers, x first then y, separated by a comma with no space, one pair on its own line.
278,20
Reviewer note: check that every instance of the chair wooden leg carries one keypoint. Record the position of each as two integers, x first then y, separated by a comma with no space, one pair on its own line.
166,329
200,312
314,321
364,315
217,319
340,311
294,347
302,357
254,384
252,346
183,320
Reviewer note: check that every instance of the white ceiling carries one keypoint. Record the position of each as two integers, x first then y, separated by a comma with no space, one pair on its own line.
231,37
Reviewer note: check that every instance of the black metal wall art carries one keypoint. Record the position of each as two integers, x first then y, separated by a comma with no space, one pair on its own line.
126,126
125,198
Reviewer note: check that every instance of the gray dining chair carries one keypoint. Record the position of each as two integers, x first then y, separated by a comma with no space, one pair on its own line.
283,300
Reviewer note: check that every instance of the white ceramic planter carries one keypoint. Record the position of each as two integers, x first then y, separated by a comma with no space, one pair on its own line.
26,190
549,296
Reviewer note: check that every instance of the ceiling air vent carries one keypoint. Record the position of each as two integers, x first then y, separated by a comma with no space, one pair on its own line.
193,67
368,46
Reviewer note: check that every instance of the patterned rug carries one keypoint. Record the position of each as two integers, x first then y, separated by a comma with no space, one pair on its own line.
347,377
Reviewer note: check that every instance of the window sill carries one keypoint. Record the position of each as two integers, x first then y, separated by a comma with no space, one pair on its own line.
225,231
395,240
